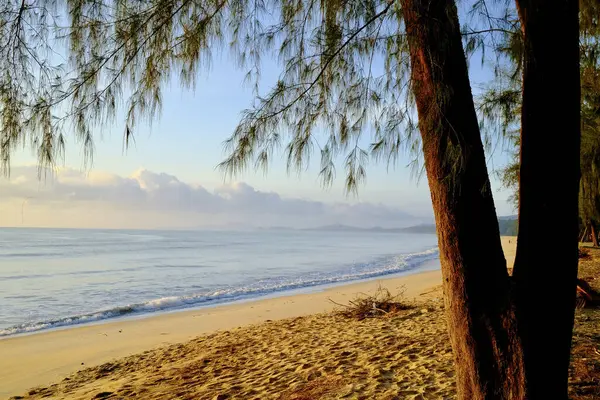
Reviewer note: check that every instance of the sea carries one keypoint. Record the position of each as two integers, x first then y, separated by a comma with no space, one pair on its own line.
53,278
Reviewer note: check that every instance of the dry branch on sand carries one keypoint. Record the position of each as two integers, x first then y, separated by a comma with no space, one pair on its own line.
381,303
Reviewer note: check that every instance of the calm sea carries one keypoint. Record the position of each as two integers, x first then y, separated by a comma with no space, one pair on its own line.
58,277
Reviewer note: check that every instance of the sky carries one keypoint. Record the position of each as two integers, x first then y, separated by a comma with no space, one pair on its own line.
168,179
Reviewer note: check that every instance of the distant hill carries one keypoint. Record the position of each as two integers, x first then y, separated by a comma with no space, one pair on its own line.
336,227
425,228
411,229
508,227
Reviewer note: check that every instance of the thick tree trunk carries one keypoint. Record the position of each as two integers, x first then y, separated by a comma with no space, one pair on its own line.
506,345
549,188
476,283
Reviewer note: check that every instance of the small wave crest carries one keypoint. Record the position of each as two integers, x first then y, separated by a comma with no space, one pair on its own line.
380,267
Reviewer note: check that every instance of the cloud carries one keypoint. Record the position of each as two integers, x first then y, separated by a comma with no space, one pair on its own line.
68,197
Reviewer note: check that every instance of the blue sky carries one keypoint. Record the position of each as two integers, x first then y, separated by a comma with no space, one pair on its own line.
186,142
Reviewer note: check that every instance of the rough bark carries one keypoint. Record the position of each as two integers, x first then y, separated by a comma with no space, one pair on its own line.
477,291
506,345
549,188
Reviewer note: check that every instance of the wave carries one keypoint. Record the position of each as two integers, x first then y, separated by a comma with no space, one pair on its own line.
380,267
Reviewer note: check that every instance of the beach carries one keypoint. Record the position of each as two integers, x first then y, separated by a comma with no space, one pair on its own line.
46,357
319,356
290,347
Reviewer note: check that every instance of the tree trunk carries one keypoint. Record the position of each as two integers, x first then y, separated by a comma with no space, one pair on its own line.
584,234
549,188
505,344
594,234
481,318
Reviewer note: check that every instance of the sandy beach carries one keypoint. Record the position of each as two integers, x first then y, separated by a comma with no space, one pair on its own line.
289,347
43,358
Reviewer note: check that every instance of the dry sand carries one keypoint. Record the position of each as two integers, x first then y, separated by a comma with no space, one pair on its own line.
43,358
288,347
321,356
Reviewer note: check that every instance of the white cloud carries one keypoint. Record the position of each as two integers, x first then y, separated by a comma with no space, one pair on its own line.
145,199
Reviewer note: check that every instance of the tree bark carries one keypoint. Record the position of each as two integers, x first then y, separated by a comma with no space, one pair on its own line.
481,317
549,188
506,345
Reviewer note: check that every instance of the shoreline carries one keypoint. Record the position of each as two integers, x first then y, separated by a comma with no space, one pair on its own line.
47,357
425,266
43,357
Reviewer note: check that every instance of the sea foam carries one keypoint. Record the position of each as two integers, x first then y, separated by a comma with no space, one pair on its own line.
379,267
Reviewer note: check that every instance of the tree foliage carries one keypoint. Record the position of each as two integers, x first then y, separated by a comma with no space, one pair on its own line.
590,113
72,65
501,102
346,73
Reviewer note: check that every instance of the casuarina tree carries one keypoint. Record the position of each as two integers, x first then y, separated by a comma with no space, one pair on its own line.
349,69
500,107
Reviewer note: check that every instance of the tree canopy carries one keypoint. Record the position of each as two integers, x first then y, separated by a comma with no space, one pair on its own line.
71,65
331,91
501,104
590,113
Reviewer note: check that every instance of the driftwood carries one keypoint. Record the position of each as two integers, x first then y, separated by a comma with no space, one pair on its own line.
381,303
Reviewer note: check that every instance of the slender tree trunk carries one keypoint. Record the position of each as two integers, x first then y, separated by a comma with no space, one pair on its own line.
549,188
476,283
583,235
594,234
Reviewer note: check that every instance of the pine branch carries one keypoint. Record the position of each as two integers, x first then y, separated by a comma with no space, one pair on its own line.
329,61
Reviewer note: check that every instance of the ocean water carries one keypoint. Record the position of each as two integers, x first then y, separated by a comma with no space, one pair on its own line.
51,278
